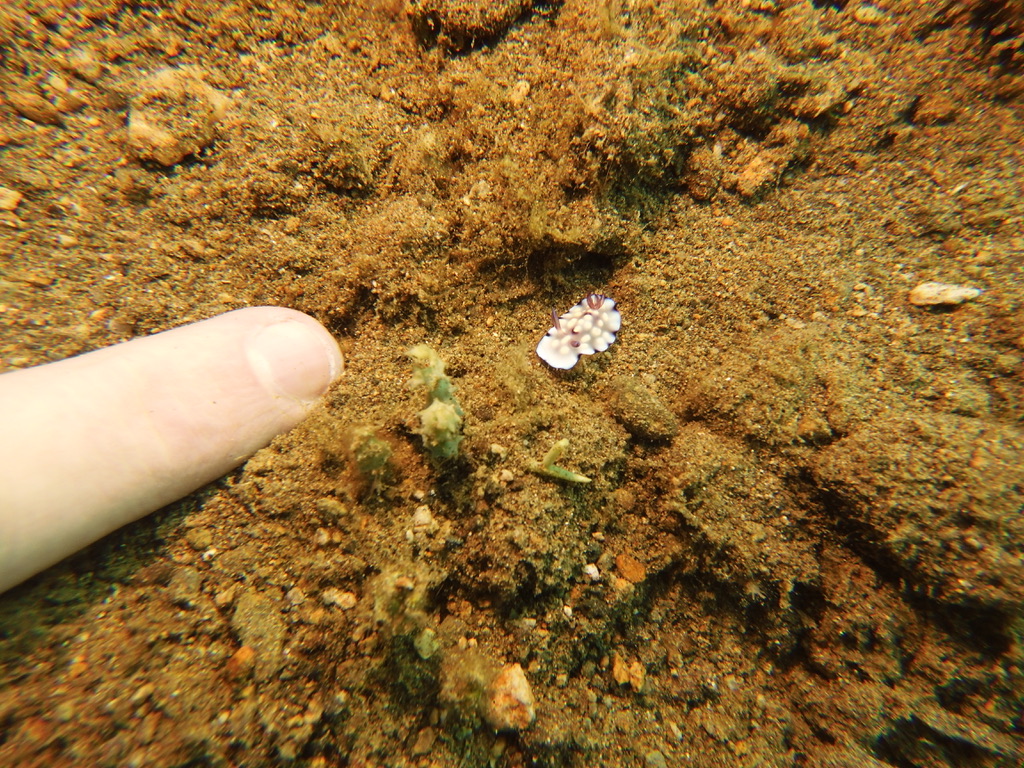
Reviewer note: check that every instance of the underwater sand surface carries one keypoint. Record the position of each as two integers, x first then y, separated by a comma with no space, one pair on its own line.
802,543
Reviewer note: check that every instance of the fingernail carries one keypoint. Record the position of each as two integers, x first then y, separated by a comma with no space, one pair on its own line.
295,359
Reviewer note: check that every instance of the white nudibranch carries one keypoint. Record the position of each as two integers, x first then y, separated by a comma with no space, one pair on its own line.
587,328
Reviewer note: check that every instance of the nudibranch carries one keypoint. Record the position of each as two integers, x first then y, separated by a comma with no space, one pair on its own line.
587,328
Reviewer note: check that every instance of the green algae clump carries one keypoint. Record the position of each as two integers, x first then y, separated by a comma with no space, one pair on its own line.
441,421
371,455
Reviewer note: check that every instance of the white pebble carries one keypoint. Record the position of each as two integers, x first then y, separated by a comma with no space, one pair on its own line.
344,600
939,294
510,701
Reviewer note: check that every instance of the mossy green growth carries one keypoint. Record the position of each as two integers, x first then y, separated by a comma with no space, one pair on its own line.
371,454
441,421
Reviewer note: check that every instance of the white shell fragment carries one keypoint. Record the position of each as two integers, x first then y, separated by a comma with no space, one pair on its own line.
587,328
939,294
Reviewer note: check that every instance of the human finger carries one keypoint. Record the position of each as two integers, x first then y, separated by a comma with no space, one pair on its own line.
93,442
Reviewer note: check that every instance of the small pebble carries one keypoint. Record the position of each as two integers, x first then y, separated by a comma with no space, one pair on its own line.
184,587
38,280
424,741
173,114
423,520
9,199
934,109
941,294
344,600
83,62
257,623
518,93
142,693
1007,363
331,508
631,569
225,597
241,663
34,107
643,414
510,703
632,673
426,643
868,15
199,538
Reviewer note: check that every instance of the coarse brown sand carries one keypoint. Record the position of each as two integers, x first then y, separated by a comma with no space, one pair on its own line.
803,542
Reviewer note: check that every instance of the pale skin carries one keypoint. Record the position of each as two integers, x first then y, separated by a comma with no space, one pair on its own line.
93,442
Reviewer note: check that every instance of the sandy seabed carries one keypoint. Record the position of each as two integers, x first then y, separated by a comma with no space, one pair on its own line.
802,543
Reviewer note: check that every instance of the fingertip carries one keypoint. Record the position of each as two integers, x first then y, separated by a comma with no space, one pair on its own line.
294,357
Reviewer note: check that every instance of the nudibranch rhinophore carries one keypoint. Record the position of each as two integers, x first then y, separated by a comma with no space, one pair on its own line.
587,328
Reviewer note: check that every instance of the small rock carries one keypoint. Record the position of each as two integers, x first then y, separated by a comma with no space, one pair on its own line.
868,15
64,98
34,107
332,509
424,741
199,539
620,670
517,93
426,643
241,663
173,115
655,759
632,674
142,693
9,199
510,703
941,294
934,109
258,624
343,600
641,412
631,569
423,521
184,587
64,712
33,278
225,597
71,101
1007,363
704,173
83,62
813,428
760,172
